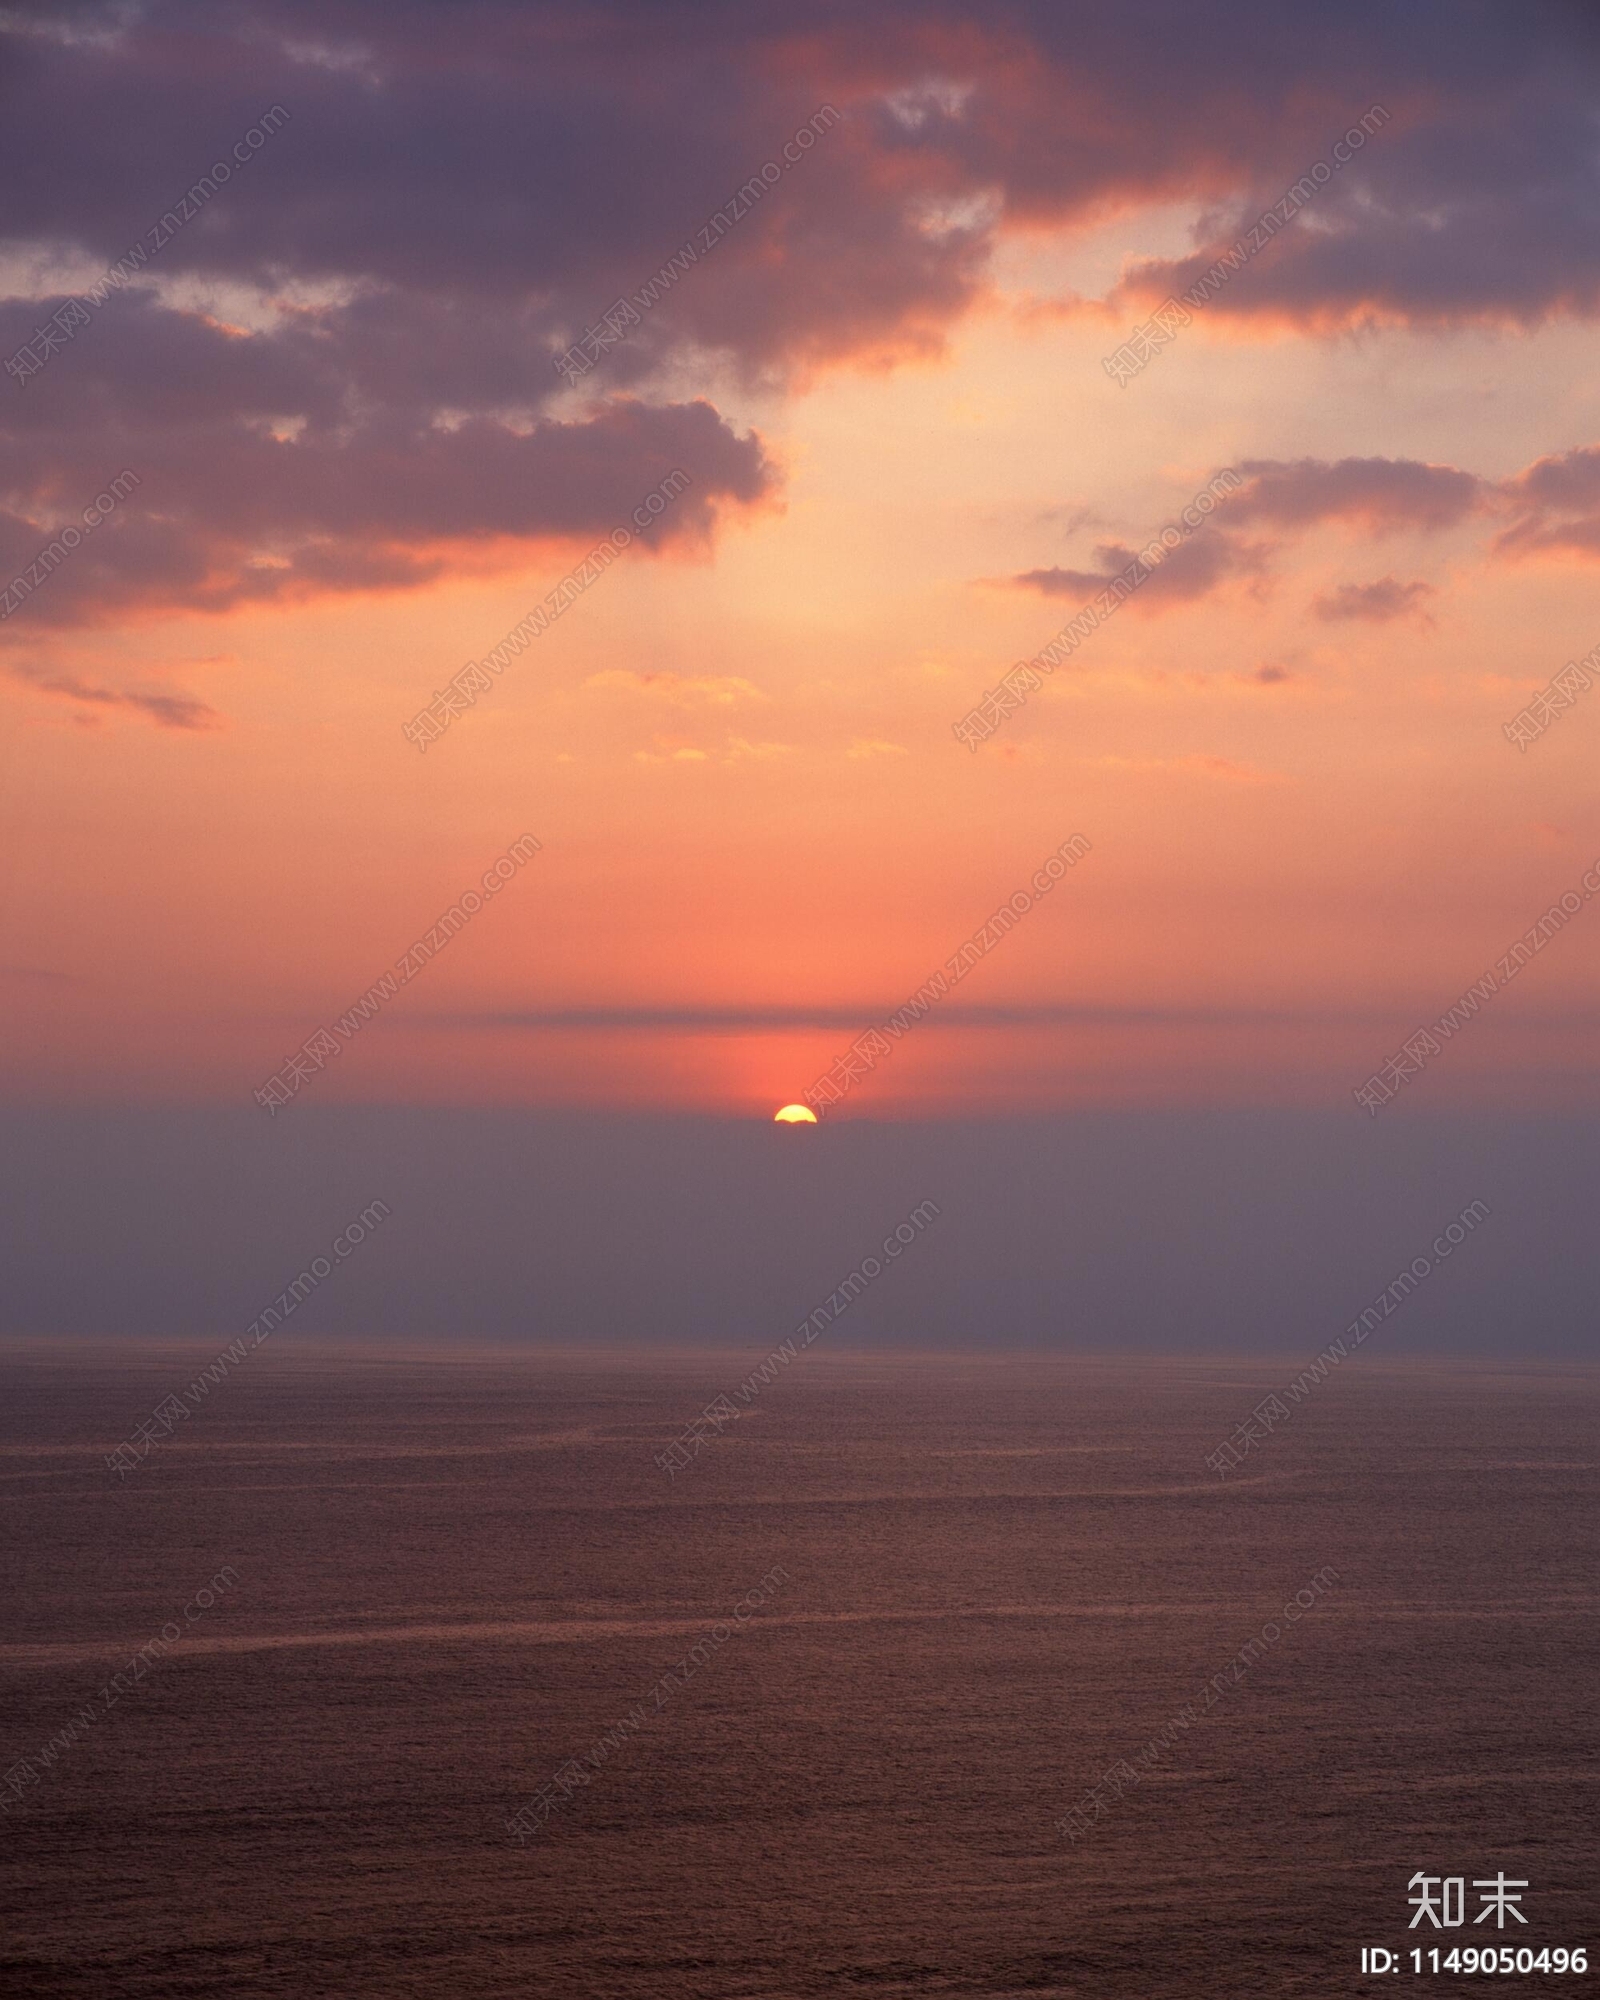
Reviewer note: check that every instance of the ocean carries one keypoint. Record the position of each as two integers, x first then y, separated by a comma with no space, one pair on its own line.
411,1672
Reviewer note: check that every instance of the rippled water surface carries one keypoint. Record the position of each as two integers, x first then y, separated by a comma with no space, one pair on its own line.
829,1689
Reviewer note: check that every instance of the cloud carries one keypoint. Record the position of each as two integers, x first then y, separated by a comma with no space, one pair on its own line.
1556,502
1553,504
1376,603
42,974
682,690
776,1018
227,512
1225,770
1194,569
335,370
1373,498
534,164
733,750
166,711
1474,208
1377,495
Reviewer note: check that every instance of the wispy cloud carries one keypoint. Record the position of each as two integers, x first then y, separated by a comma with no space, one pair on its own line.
1226,770
1375,603
681,690
1193,570
166,711
1378,495
43,974
762,1019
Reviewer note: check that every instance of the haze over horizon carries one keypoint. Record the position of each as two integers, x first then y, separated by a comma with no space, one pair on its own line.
1198,1232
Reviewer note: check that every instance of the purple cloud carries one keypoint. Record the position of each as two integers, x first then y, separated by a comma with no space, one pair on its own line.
454,195
1556,504
167,711
1379,495
1376,603
270,487
1194,569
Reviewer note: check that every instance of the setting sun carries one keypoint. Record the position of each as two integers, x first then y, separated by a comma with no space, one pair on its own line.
794,1114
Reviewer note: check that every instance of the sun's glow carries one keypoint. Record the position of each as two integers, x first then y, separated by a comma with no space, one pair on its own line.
794,1114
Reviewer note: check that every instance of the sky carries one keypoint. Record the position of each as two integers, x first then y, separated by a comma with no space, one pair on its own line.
519,518
366,435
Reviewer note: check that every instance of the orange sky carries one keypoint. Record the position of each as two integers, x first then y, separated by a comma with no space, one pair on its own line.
738,756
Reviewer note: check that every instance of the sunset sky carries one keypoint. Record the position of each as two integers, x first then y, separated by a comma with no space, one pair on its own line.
358,467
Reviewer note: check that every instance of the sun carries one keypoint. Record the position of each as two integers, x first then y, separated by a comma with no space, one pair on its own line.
795,1114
